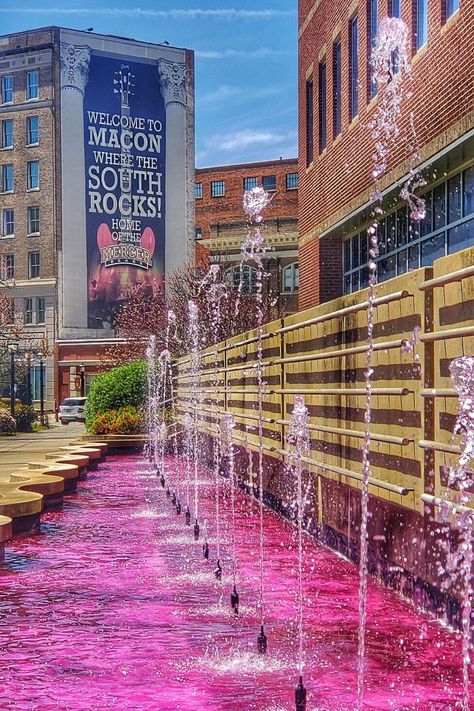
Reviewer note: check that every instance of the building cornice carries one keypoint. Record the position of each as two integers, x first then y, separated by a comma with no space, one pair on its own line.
288,240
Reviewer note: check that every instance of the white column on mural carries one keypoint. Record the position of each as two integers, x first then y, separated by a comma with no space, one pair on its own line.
174,89
74,77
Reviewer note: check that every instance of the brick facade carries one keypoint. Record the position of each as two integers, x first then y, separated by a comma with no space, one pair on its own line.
221,222
337,183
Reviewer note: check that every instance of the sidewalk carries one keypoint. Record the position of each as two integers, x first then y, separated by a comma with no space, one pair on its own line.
16,452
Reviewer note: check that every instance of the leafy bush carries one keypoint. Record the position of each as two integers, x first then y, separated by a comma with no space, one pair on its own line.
7,423
25,415
125,420
115,389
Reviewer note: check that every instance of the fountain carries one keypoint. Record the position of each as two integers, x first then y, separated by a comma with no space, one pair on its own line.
195,402
227,427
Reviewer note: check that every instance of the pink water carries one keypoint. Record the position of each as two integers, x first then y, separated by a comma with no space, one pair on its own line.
113,607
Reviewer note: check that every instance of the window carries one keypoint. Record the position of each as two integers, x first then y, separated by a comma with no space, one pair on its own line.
451,7
421,23
198,233
28,310
269,182
7,133
33,177
33,265
250,183
394,8
290,275
309,121
322,107
8,222
7,178
198,190
336,88
32,85
33,220
353,68
291,181
40,310
404,244
32,130
248,275
7,90
217,188
9,266
372,27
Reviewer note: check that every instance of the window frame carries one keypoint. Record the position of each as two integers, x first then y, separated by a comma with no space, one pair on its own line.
28,131
353,67
4,171
449,12
30,232
336,88
32,72
29,186
5,234
293,269
40,310
249,182
372,28
232,277
214,184
274,185
198,191
11,89
33,267
292,187
4,146
10,268
420,21
322,105
309,118
28,311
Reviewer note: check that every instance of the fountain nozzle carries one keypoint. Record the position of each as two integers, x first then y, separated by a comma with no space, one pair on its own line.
162,481
168,492
178,507
300,696
173,499
234,600
262,642
218,570
205,550
196,530
187,516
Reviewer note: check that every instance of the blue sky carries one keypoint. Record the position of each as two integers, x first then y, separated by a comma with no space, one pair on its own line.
246,62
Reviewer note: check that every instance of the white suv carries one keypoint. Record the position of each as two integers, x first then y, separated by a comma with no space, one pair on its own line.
72,409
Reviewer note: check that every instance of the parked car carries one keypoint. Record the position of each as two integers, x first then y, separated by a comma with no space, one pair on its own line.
72,409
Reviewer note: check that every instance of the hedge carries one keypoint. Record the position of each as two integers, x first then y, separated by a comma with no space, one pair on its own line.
117,388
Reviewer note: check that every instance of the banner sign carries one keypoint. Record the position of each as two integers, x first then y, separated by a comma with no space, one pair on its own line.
124,139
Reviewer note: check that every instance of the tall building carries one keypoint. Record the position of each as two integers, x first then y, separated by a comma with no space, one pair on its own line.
96,187
221,223
337,103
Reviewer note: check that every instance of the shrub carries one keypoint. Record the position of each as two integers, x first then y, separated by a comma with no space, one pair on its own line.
125,420
7,423
25,415
117,388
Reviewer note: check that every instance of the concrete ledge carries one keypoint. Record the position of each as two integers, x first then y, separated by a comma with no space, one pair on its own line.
6,532
119,442
42,482
23,507
103,446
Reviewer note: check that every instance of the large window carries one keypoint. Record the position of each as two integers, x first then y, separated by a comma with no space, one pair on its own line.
290,279
8,222
33,220
250,183
7,89
336,88
322,106
447,227
247,274
32,130
421,23
451,7
28,310
32,85
40,310
353,68
7,133
291,181
269,182
33,265
9,266
7,178
198,190
217,188
372,28
33,175
309,121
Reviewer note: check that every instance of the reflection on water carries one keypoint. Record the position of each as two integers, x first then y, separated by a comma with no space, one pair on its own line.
115,608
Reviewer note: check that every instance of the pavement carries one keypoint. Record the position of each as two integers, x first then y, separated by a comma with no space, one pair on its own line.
16,452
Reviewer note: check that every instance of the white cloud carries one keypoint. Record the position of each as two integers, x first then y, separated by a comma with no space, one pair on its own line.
239,140
228,13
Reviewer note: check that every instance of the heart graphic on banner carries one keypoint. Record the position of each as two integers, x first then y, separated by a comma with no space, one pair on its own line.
104,238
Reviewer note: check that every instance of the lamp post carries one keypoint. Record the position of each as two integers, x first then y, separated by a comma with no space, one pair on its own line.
12,348
82,371
41,384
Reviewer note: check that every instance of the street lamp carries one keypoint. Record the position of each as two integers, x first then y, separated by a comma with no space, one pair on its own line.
41,384
82,371
12,348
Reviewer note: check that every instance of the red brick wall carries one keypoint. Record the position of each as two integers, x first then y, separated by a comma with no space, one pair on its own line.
211,210
442,92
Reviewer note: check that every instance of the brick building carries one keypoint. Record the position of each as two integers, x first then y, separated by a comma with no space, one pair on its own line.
96,188
221,223
337,101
